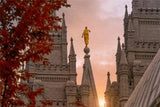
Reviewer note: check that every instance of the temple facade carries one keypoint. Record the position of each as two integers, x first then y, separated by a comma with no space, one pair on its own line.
59,78
141,43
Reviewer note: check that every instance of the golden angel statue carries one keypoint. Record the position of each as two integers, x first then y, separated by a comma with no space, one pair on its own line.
85,34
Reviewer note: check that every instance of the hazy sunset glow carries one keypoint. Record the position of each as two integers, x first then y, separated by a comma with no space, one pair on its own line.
101,102
105,20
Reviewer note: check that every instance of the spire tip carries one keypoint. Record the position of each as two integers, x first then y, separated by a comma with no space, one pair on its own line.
108,74
63,15
71,39
118,38
126,6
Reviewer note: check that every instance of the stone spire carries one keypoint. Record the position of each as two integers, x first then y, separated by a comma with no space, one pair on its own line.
118,54
88,79
64,27
87,70
108,81
72,52
118,47
123,77
123,59
126,17
72,62
64,40
63,20
126,12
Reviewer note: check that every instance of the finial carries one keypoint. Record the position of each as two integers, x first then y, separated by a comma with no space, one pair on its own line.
123,46
108,74
126,7
118,47
63,19
118,38
63,15
108,82
71,39
86,50
126,12
72,52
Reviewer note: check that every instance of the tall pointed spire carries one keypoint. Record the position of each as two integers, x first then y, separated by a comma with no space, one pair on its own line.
123,77
126,17
64,40
88,79
72,62
123,59
64,29
118,47
72,52
63,20
87,70
108,81
126,12
84,77
118,54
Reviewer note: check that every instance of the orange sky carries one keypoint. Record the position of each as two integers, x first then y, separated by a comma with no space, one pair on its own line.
105,20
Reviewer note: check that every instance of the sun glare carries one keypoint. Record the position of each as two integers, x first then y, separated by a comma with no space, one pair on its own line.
101,102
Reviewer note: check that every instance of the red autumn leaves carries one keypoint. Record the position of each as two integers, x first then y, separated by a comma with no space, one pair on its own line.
24,36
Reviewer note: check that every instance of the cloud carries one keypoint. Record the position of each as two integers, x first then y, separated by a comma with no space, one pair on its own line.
106,63
113,8
79,63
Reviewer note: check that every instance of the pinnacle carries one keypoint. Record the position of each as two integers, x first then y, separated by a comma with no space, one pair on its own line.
72,52
108,74
118,46
63,15
71,39
63,19
126,11
108,81
118,38
126,6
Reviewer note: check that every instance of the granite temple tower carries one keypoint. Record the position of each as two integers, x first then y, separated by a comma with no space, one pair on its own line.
59,78
141,43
